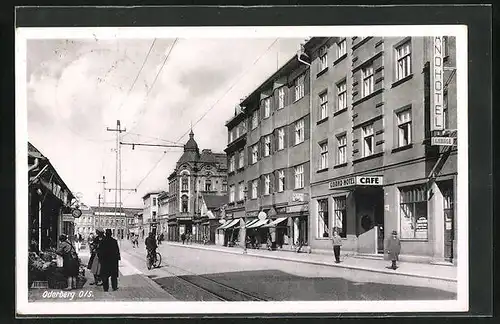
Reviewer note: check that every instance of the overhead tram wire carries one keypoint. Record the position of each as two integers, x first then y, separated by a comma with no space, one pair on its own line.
208,110
154,81
231,87
156,138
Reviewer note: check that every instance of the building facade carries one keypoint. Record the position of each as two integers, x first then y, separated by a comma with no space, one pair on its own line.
163,213
104,217
151,212
375,104
195,174
268,161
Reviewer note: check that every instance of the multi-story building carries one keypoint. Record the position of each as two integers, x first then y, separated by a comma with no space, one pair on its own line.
268,157
163,212
195,174
375,104
150,212
85,224
105,217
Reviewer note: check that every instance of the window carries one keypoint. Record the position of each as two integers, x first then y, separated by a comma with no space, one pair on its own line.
341,149
323,221
255,185
243,128
255,119
254,153
446,119
281,139
230,136
413,212
299,131
323,164
368,140
341,48
323,58
267,184
267,107
367,74
241,160
208,185
237,131
281,97
341,95
267,145
323,105
224,185
231,193
154,201
281,180
299,176
404,128
340,220
241,191
154,216
299,87
231,163
184,202
403,61
185,183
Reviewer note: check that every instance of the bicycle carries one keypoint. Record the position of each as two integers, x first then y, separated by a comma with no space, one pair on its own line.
153,263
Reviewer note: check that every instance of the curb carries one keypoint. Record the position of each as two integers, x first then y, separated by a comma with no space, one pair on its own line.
408,274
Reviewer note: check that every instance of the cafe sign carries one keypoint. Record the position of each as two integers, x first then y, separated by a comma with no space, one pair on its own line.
357,181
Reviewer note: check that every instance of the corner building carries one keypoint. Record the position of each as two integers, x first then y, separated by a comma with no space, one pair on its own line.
372,162
268,161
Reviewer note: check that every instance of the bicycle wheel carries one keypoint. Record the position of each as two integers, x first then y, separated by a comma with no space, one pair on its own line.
158,260
149,262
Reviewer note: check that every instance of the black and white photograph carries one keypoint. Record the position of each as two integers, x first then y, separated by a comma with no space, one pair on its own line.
281,169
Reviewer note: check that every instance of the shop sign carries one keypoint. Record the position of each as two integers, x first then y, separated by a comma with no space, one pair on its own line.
421,228
442,141
281,210
252,214
297,208
358,180
437,118
298,196
68,218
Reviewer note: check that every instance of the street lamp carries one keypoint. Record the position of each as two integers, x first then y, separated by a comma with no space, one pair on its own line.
244,228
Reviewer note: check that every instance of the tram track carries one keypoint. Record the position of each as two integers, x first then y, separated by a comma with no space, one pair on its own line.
187,285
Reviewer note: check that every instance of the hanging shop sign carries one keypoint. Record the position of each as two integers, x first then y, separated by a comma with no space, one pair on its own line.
437,85
68,218
442,141
357,181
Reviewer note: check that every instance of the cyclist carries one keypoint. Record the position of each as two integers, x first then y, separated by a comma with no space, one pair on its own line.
151,246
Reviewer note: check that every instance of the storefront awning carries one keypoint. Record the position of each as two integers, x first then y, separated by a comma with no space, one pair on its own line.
224,225
275,222
258,223
249,223
233,222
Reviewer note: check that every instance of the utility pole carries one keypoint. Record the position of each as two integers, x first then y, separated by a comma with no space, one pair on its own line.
118,180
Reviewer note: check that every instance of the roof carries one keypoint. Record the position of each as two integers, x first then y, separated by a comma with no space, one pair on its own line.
151,193
214,201
34,152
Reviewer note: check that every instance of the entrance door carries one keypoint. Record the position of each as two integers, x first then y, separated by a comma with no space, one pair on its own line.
379,219
448,221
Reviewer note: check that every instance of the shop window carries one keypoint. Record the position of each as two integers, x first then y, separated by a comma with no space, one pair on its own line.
184,202
299,87
341,149
281,180
367,74
299,176
404,128
323,162
341,95
299,131
413,213
281,97
340,220
323,105
403,60
368,140
281,138
323,221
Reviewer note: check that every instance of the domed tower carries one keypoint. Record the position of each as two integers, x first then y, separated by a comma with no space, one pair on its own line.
191,151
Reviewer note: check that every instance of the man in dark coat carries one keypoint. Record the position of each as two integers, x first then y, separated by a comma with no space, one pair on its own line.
109,255
393,249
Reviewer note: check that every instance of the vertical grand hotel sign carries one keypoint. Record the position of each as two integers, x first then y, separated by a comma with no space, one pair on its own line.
437,91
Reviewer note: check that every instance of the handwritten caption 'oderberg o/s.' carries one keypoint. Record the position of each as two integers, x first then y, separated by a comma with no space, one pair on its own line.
71,295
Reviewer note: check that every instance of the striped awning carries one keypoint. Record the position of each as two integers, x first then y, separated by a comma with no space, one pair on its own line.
223,225
258,223
275,222
228,224
249,223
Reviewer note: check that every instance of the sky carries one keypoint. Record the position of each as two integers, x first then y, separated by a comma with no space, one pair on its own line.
77,88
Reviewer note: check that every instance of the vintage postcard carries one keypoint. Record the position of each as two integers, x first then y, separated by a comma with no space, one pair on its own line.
240,170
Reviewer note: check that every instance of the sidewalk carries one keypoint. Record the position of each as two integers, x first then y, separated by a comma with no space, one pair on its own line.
420,270
132,286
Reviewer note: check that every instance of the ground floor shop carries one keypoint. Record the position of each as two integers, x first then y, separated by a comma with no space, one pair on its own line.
177,227
366,209
204,231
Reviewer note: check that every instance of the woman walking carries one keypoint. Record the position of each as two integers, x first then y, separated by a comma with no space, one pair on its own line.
70,261
337,243
95,264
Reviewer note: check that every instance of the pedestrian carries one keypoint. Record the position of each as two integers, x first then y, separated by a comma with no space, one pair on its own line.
183,238
393,249
70,261
94,262
109,255
162,237
337,243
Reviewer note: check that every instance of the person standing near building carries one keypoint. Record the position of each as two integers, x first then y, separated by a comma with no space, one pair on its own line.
78,242
95,264
183,238
337,243
109,255
70,261
393,249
